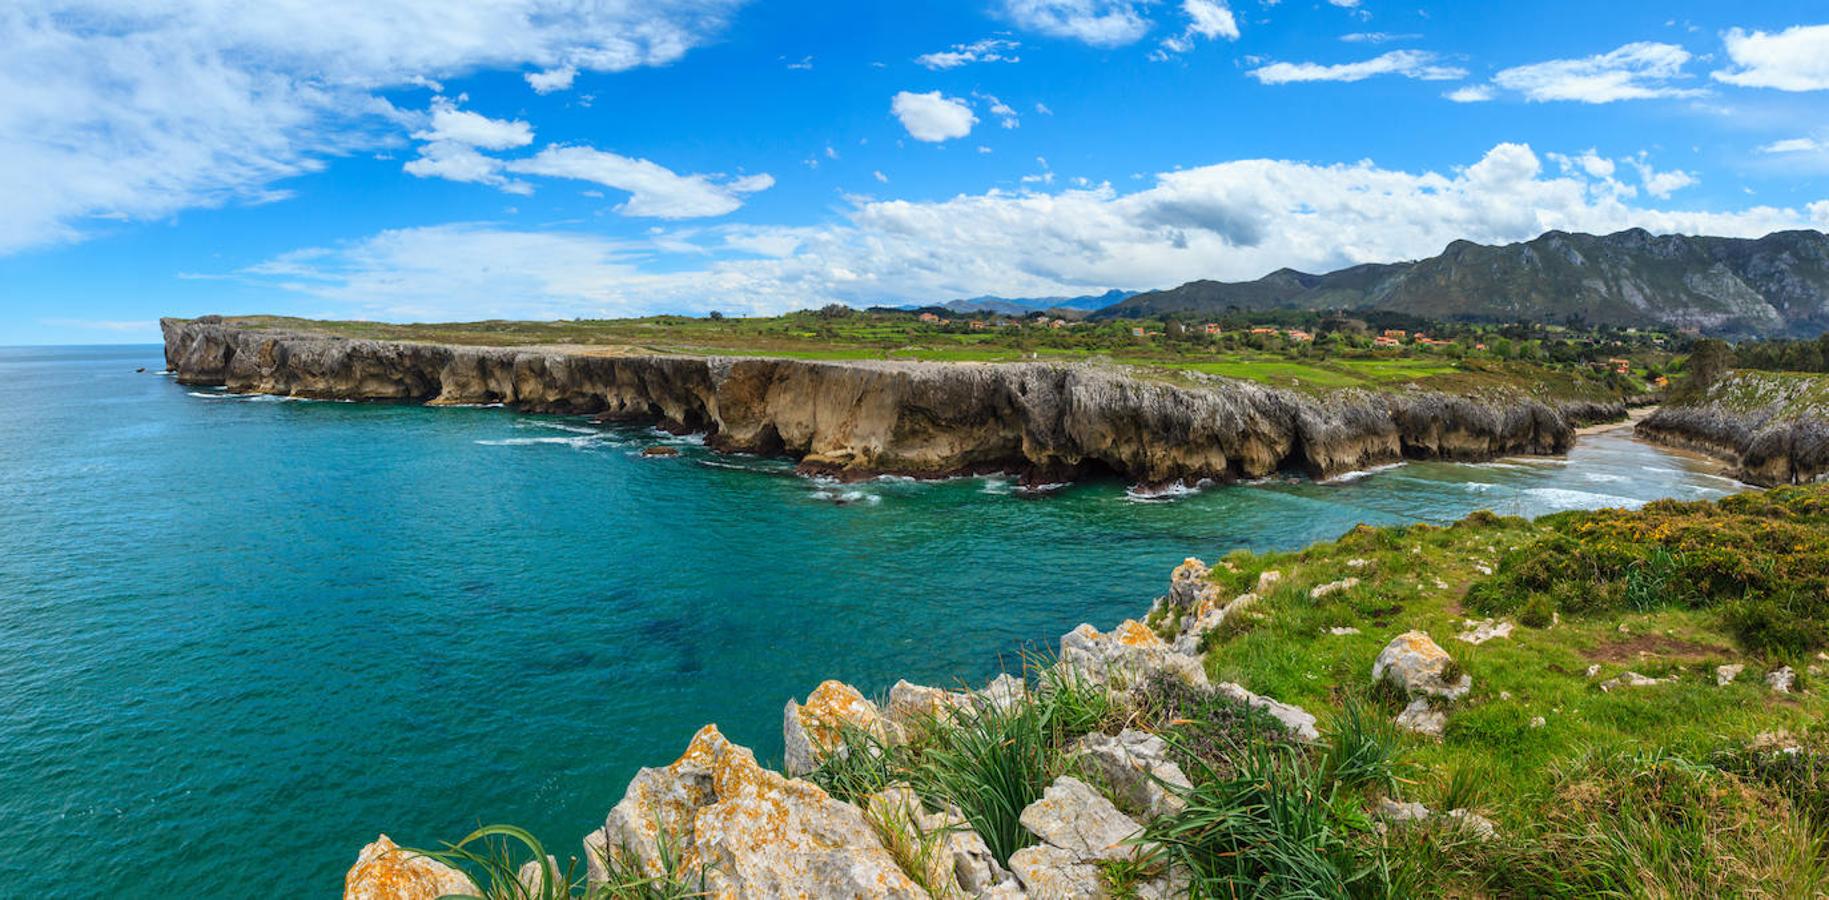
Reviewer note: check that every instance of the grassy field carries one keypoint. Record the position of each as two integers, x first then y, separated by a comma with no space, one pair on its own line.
900,337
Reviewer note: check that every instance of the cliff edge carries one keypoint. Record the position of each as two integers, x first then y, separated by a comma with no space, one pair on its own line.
1773,426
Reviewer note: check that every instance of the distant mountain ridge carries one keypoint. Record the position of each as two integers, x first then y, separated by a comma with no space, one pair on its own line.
1773,286
1022,306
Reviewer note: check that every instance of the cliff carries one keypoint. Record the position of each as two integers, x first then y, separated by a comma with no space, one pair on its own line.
1773,426
862,418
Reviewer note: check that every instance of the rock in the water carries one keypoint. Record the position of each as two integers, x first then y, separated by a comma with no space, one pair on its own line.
967,862
1422,718
1479,632
1051,873
659,451
1781,679
1725,675
1137,766
1125,657
814,730
1630,679
1414,663
1331,587
383,871
1298,721
1074,817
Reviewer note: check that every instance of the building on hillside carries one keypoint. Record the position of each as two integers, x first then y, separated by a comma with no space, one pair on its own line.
1212,327
1620,366
1385,340
1137,331
1264,330
1057,323
977,325
1396,334
930,318
1300,336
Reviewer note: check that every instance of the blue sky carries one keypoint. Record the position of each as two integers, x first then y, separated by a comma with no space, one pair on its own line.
404,160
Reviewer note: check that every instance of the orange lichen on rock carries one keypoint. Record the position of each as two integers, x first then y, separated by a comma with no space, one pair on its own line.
383,871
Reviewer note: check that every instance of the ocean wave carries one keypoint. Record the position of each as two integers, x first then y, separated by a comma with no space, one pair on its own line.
1167,493
1356,474
1478,487
1564,498
580,442
846,497
1602,477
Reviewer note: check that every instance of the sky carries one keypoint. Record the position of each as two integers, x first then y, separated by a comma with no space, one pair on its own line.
416,161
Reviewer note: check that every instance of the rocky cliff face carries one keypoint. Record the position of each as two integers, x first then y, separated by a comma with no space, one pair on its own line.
1773,426
858,419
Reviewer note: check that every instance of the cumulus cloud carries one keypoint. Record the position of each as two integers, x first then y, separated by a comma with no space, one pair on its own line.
1795,59
1101,23
1638,71
931,117
654,190
987,50
1210,19
1408,63
111,109
550,80
1233,220
448,124
1472,93
1794,145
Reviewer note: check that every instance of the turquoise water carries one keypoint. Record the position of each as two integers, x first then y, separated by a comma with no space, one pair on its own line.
240,636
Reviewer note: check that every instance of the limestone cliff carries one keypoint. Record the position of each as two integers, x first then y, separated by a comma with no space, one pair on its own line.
1774,426
860,418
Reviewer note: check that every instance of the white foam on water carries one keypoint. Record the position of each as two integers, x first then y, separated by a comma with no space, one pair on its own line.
1563,498
580,442
1168,493
1356,474
995,486
846,497
1495,465
203,396
1602,477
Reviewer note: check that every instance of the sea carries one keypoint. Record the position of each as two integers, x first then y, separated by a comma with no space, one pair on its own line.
240,636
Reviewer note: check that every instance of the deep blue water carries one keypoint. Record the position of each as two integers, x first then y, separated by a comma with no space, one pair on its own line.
240,636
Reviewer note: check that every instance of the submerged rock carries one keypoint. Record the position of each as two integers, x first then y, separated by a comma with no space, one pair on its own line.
383,871
1418,666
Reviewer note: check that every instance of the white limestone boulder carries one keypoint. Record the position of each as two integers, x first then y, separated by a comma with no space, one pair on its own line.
817,728
383,871
1418,666
1137,766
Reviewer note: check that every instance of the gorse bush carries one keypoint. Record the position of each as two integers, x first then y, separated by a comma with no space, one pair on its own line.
1762,559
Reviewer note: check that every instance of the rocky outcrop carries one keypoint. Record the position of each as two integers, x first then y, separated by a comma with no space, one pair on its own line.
818,728
1416,665
383,871
854,419
1773,427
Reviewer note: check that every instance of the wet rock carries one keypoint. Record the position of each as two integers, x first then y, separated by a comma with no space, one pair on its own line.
1137,766
1421,718
1344,584
1781,679
1125,657
1074,817
383,871
1481,631
1725,675
1417,665
1299,722
659,451
816,729
1630,679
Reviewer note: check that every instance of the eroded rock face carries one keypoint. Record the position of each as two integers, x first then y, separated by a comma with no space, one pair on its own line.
1125,657
1137,766
862,418
1051,873
1416,664
383,871
814,730
1782,438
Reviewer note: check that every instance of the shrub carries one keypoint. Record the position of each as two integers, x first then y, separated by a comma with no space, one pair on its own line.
1538,612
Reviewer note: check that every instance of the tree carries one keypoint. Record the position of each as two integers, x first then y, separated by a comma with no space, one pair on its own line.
1709,359
715,316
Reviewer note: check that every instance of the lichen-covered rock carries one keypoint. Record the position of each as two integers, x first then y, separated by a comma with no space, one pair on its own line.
1003,692
912,706
1074,817
596,853
1332,587
1137,766
1725,675
1421,718
1481,631
1300,723
1195,627
967,862
1781,679
1125,657
1630,679
1416,664
817,728
1191,589
661,804
383,871
1048,872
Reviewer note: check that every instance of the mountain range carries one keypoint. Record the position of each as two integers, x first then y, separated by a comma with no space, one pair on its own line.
1773,286
1022,306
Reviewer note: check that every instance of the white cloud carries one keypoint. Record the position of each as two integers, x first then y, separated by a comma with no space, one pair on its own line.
1659,184
123,109
559,79
931,117
987,50
880,177
1795,59
448,124
1408,63
1345,4
1210,19
1795,145
1005,115
654,190
1233,220
455,161
1101,23
1637,71
1377,37
1473,93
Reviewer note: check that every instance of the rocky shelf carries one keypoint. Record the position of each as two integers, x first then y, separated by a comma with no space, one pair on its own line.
1046,422
1773,427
